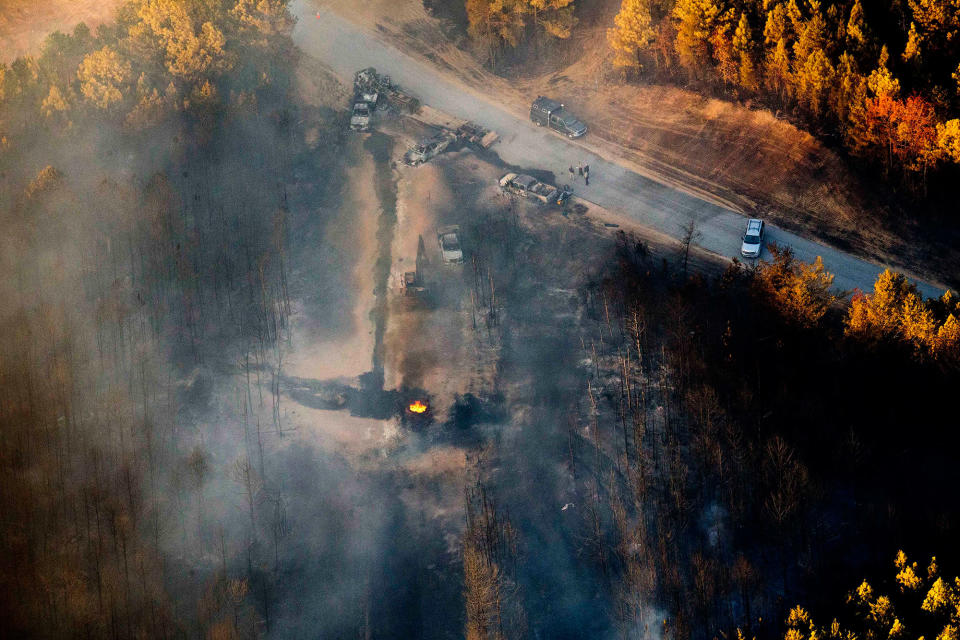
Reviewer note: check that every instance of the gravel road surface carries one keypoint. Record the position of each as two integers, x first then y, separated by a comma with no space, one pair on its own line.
345,47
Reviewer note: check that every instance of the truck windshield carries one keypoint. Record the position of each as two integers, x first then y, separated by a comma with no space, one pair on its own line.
748,239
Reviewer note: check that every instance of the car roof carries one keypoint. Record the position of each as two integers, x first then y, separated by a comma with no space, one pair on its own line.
547,104
525,181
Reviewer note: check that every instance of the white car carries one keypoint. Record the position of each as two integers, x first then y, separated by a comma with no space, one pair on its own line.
449,240
752,245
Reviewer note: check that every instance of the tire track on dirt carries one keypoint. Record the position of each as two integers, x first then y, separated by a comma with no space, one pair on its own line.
380,147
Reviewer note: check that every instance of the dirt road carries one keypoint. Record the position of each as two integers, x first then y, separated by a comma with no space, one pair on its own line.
344,48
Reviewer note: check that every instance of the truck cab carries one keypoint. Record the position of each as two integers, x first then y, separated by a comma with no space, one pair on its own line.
360,118
545,112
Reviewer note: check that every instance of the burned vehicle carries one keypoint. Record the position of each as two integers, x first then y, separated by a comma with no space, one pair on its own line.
545,112
428,149
360,118
379,92
366,87
528,187
451,251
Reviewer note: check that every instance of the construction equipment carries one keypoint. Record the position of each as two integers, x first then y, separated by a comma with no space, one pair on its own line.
412,282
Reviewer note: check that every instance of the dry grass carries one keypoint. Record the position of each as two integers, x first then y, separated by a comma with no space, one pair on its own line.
24,24
747,159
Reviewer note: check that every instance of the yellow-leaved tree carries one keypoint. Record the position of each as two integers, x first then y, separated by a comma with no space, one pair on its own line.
742,40
801,291
632,33
555,17
948,139
56,105
104,76
695,23
193,47
897,312
877,616
264,17
814,80
495,24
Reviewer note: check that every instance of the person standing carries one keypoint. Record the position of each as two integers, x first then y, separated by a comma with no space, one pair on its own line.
586,174
571,173
580,170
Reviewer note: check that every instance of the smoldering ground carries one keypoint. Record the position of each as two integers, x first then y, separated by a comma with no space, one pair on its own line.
216,316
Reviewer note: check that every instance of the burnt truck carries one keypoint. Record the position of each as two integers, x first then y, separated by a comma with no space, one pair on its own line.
529,187
545,112
360,117
428,149
467,134
380,92
366,87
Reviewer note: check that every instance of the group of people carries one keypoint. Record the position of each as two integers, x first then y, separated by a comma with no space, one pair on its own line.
583,171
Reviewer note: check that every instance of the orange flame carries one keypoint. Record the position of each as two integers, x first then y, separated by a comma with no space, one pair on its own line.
417,407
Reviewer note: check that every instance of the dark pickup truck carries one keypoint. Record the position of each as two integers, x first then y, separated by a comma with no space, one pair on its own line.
545,112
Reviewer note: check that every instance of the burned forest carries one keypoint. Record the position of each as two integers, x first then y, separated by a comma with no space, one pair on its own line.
295,346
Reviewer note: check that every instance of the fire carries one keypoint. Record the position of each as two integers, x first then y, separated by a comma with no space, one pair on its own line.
417,407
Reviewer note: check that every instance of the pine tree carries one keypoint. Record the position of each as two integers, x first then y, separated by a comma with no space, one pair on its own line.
775,28
917,324
725,58
938,20
554,16
947,343
55,104
856,28
881,81
632,34
795,16
813,81
879,616
897,311
495,24
777,70
800,291
696,20
742,45
849,104
812,36
948,139
103,76
911,52
875,317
